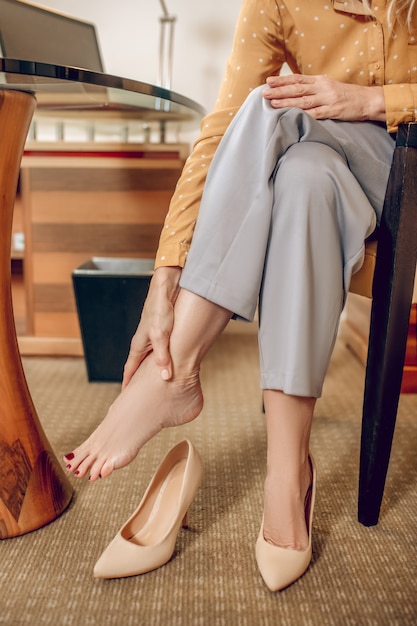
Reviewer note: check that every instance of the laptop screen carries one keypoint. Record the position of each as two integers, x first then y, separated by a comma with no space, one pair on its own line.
34,34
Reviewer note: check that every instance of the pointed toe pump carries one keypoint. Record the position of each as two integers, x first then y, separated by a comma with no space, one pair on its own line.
147,540
280,567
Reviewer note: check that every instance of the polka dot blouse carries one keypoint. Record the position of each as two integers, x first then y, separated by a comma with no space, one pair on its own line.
339,39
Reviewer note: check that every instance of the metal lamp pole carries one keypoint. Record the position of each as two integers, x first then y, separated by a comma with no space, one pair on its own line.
166,47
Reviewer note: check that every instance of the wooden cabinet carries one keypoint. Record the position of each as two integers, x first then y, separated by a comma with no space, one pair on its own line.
73,204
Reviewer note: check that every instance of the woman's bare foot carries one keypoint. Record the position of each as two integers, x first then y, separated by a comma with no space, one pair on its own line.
146,406
285,523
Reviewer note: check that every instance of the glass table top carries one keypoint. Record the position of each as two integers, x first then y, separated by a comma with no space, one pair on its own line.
70,92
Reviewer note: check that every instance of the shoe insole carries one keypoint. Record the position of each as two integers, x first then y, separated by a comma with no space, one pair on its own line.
164,511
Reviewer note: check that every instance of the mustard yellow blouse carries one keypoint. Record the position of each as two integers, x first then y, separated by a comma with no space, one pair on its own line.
339,39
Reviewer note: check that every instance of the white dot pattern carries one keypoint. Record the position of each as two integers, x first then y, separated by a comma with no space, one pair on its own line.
317,37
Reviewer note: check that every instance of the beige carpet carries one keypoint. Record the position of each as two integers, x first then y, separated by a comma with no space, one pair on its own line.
359,576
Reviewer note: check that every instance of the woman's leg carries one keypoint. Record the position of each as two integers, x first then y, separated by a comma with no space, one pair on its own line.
315,241
288,422
293,230
148,404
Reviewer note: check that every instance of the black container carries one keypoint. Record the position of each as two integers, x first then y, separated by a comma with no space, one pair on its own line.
110,294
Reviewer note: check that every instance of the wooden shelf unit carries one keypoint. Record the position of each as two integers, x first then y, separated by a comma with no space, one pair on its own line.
74,203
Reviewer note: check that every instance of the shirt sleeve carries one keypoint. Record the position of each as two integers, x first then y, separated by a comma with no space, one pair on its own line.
400,104
257,52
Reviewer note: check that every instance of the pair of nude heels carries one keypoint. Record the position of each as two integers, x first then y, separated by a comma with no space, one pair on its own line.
147,540
280,567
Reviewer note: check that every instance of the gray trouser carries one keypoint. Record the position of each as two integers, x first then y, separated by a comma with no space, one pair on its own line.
287,205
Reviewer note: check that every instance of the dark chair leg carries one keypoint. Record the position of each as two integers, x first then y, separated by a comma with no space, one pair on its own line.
392,295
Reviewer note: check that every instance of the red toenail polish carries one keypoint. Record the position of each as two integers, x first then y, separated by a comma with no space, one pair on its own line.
68,466
76,472
70,456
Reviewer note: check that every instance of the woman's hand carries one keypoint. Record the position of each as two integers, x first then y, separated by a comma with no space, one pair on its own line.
325,98
155,326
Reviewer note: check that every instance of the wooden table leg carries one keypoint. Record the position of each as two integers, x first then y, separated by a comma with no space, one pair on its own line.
33,487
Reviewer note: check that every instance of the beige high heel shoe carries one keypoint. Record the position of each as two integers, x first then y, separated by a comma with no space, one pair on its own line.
280,567
147,540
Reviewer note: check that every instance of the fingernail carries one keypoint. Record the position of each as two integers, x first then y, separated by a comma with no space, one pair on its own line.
165,375
69,456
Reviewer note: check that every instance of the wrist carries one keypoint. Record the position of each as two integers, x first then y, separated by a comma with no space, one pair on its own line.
376,104
167,280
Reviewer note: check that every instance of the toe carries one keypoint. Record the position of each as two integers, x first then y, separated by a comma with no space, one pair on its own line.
95,471
84,466
106,469
73,460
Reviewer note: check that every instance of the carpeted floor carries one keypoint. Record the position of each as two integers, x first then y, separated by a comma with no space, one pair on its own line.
359,576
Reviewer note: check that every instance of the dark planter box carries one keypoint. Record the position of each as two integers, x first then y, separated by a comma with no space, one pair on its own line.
110,294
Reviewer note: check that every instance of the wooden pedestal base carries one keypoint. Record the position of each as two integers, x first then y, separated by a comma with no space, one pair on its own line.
33,488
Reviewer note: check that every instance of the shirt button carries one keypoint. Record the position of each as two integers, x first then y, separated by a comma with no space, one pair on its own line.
377,66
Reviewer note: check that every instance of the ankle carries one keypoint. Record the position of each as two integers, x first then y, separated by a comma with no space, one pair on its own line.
186,377
293,477
285,493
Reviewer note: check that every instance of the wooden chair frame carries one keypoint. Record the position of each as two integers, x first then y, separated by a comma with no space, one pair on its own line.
392,293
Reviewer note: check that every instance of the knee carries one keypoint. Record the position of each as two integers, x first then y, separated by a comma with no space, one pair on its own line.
308,166
306,183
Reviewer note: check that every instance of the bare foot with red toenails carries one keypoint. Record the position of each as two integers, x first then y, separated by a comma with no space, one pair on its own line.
146,406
